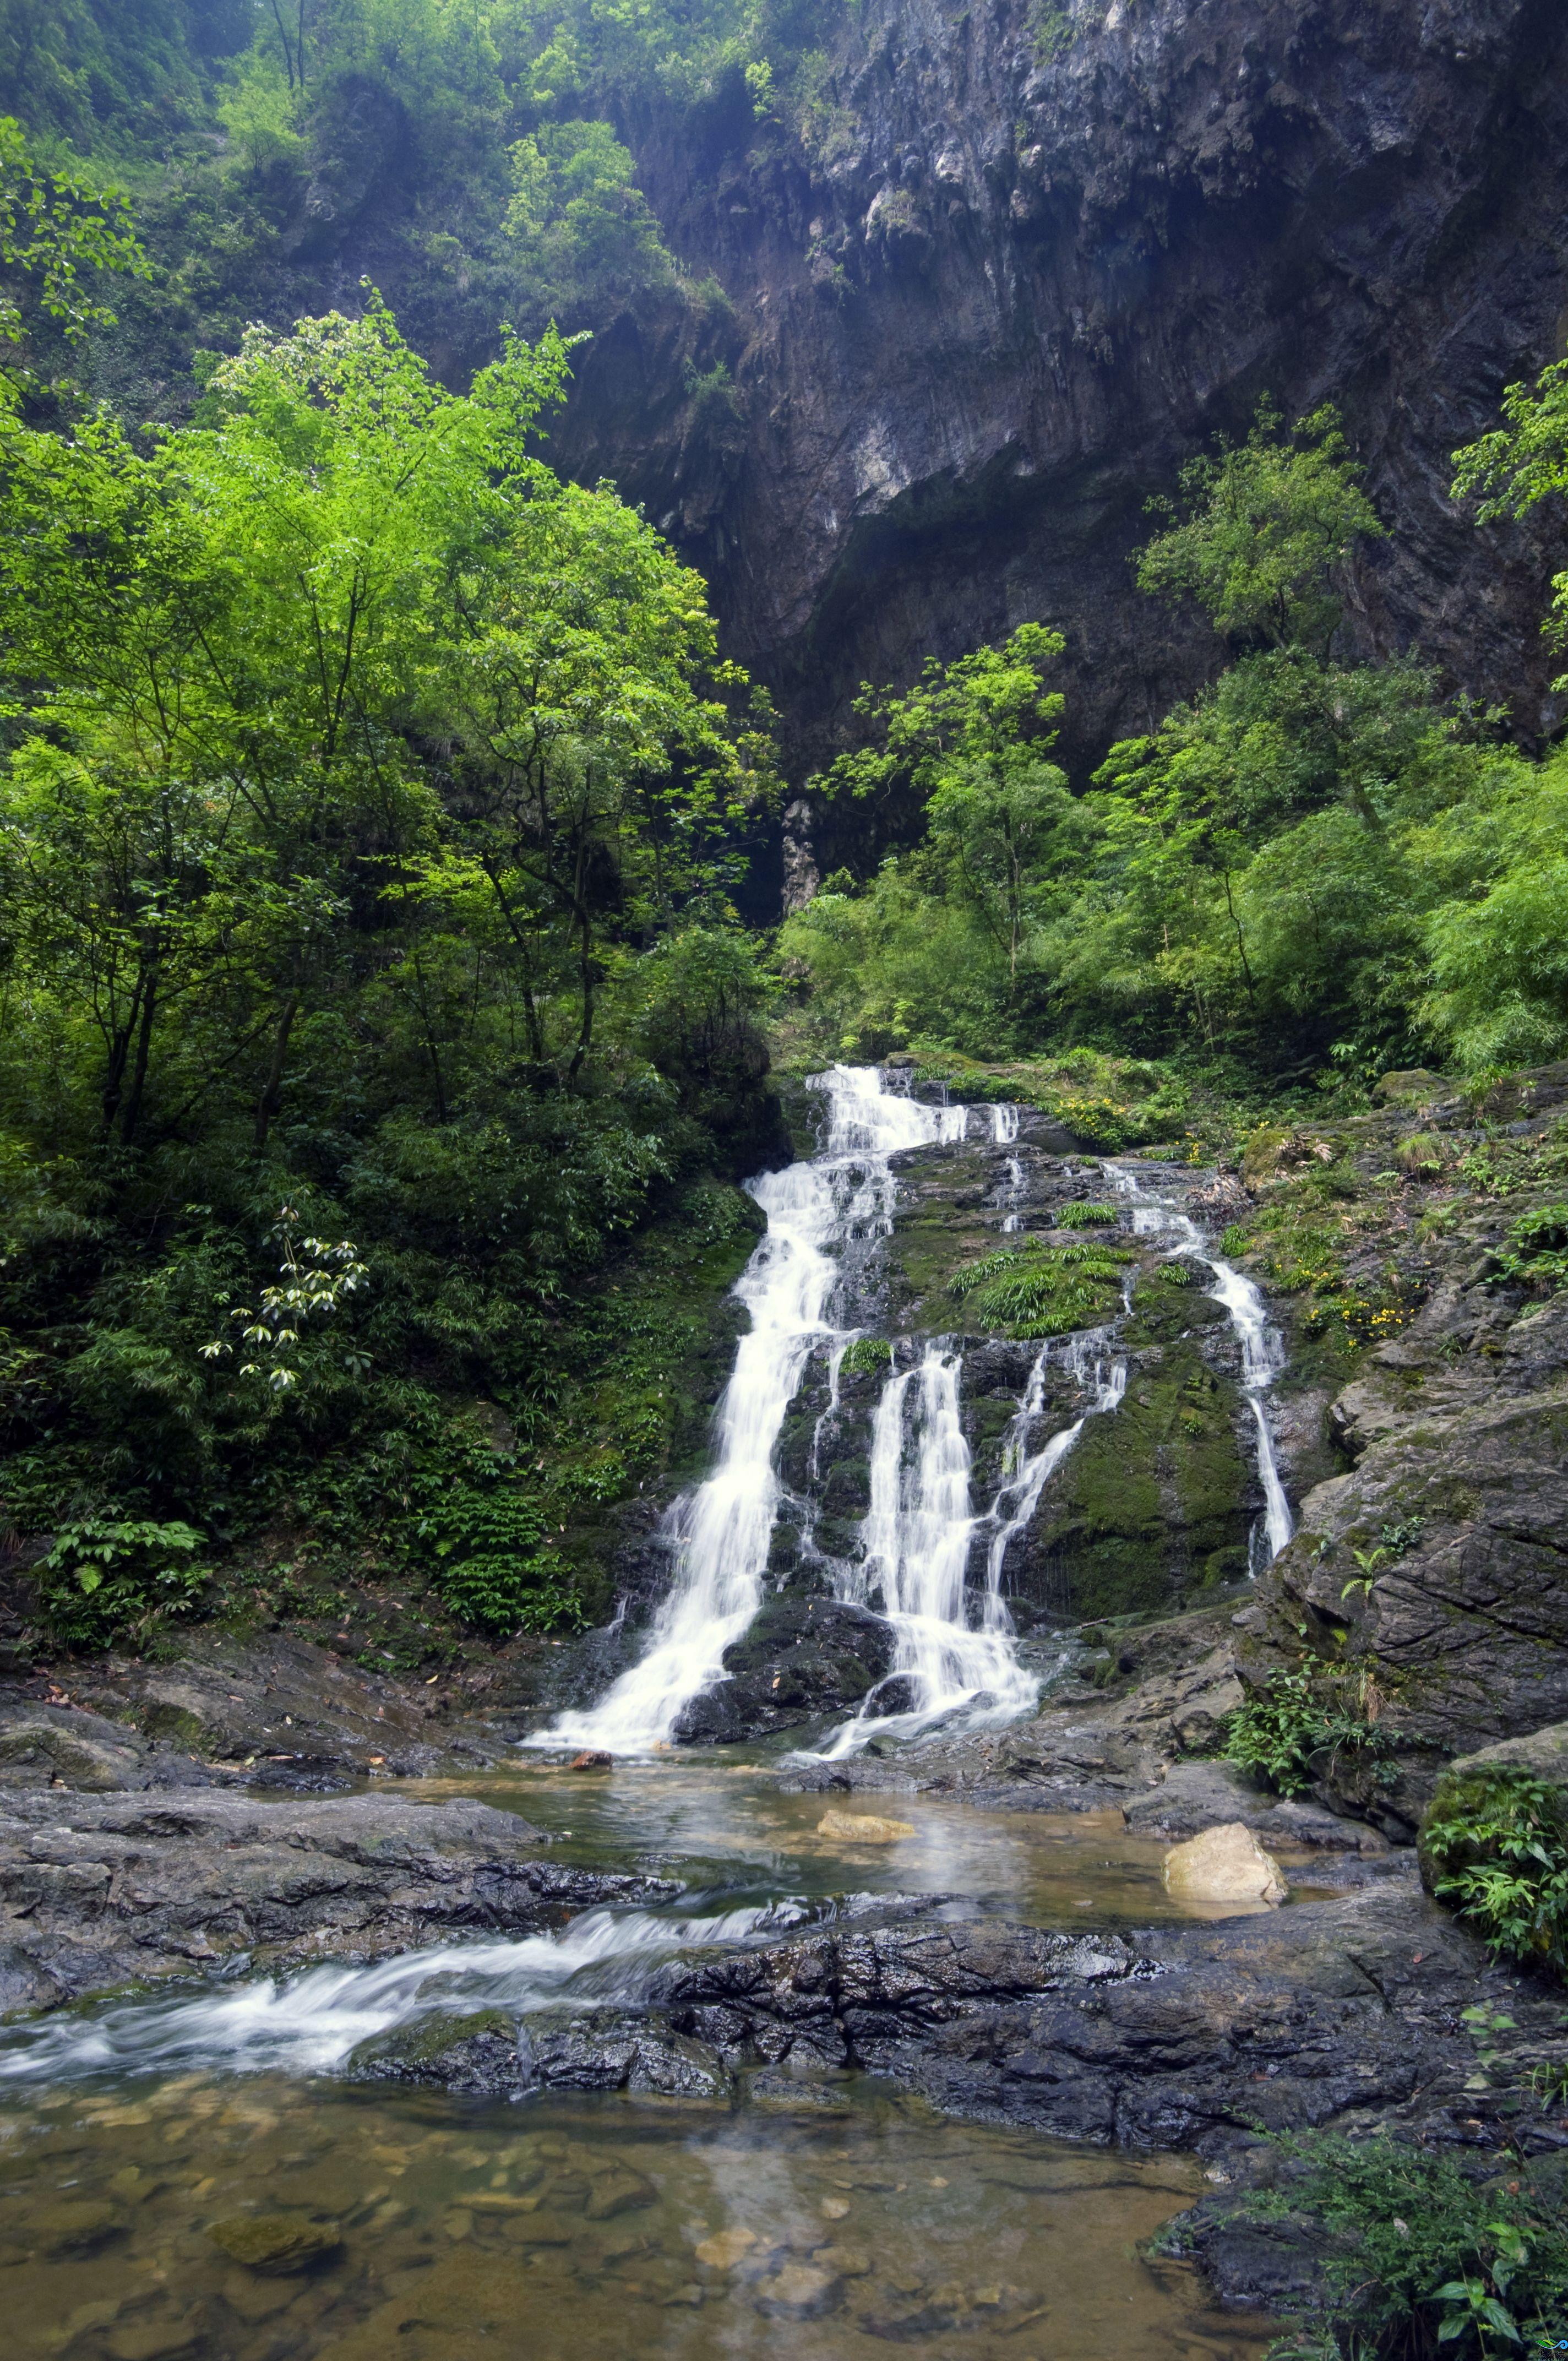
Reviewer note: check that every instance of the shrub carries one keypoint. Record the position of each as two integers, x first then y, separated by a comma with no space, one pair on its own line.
1421,1156
1423,2259
1046,1290
493,1565
1495,1848
868,1356
1537,1249
108,1575
1282,1735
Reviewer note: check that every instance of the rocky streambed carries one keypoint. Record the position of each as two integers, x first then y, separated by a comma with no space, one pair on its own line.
266,1862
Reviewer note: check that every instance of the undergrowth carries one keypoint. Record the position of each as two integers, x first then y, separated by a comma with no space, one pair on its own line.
1297,1728
1423,2259
1042,1291
1495,1848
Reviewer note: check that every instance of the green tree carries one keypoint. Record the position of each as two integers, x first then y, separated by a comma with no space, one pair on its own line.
1262,530
1511,471
578,227
58,236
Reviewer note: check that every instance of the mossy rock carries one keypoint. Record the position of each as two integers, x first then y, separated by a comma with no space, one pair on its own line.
414,2053
276,2245
1155,1502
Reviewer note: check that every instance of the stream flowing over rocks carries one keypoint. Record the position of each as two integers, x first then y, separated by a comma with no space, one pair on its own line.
871,1533
979,1605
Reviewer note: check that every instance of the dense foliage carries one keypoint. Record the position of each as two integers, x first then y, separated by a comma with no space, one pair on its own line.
1421,2258
1495,1848
366,970
470,154
1309,867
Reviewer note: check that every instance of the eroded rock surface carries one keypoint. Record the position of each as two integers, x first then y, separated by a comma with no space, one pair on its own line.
1344,2011
102,1891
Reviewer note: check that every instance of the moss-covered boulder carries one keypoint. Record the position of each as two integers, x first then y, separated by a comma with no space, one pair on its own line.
479,2051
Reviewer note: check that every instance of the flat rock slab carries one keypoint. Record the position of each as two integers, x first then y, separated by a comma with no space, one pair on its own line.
100,1891
291,1712
44,1745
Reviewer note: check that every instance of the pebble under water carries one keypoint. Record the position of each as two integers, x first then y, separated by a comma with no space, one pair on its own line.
181,2181
276,2220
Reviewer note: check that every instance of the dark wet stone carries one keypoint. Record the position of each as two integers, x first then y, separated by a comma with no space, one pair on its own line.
276,2244
806,1656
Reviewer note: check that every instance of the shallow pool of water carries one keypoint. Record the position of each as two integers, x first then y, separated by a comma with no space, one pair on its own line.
720,1824
277,2220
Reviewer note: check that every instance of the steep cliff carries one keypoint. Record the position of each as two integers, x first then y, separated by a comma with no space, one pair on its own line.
1011,266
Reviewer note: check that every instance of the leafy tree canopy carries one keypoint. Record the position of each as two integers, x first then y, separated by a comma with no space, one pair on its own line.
1261,530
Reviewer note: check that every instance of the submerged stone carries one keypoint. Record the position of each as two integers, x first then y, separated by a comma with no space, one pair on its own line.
800,2291
276,2242
864,1828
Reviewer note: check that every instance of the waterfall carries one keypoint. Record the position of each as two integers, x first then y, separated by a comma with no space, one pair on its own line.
1026,1474
916,1539
719,1534
952,1655
1004,1124
1261,1356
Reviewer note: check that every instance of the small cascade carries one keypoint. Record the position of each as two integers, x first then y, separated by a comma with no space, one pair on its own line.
954,1651
917,1534
309,2022
719,1534
1004,1124
1262,1355
1026,1474
1013,1220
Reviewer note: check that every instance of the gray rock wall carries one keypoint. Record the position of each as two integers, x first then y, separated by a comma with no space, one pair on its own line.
988,304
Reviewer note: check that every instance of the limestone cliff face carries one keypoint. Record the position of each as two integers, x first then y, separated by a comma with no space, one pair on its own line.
986,302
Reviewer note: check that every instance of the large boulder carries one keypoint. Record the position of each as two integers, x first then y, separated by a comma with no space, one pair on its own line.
1223,1865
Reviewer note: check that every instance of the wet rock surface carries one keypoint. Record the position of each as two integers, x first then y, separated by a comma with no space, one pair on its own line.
804,1656
97,1891
1344,2011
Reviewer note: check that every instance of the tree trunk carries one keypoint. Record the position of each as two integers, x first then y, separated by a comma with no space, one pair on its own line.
131,1115
267,1103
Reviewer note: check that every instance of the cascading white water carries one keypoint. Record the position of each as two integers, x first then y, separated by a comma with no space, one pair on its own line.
916,1539
720,1533
308,2023
1004,1124
1012,1220
1026,1474
1262,1359
917,1536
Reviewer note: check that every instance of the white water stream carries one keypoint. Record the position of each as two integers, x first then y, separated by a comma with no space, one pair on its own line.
1262,1355
953,1655
720,1531
308,2023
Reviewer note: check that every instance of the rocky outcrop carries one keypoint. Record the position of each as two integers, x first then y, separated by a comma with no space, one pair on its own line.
1007,270
1459,1432
1341,2011
99,1891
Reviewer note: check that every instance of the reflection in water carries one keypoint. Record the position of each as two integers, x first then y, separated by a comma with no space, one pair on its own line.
279,2221
718,1820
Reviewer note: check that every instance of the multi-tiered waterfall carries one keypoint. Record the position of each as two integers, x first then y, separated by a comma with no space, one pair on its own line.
953,1638
720,1531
